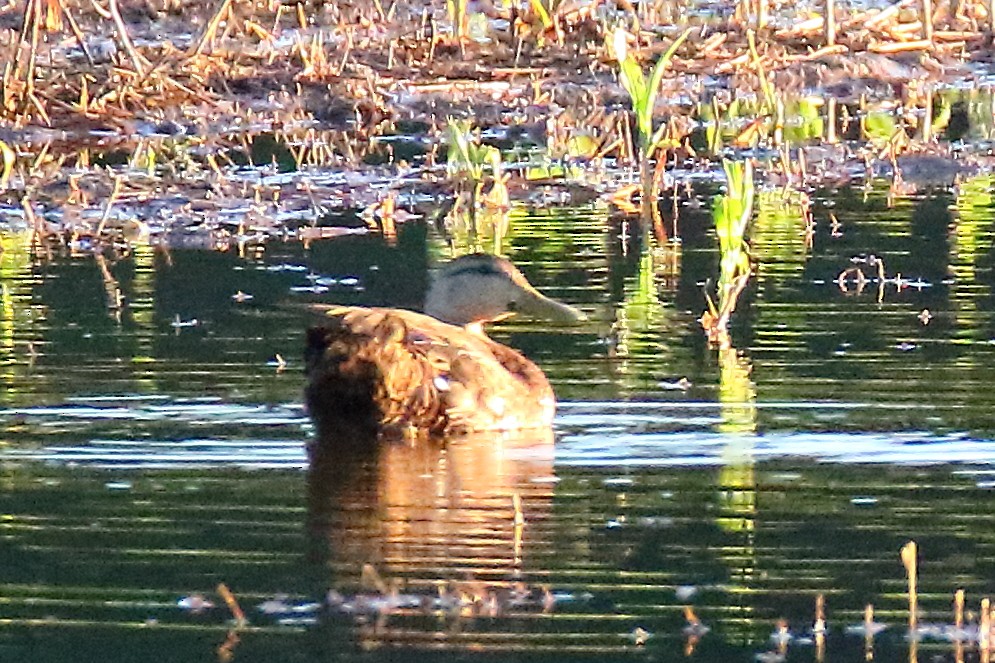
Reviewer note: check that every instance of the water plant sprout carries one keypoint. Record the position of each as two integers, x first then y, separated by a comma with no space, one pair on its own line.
467,161
643,92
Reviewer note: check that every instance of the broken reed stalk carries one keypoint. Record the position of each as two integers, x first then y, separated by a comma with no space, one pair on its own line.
12,71
212,27
830,22
77,33
927,20
985,626
36,18
110,203
519,520
29,216
959,610
910,561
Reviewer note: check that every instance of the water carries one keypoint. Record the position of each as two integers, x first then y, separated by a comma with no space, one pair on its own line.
154,450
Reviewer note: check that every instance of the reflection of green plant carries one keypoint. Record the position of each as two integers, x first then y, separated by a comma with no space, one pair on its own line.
780,232
643,91
643,317
732,214
16,321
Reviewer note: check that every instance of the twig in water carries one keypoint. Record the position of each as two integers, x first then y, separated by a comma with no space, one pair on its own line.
232,603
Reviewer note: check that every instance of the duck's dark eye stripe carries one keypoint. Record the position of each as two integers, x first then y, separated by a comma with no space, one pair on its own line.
482,270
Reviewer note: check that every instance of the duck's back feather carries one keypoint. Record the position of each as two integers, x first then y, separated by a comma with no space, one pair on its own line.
393,371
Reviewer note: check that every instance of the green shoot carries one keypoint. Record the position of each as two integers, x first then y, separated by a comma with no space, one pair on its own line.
468,159
642,90
467,156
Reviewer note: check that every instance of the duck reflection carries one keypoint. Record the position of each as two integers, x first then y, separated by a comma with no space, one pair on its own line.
429,529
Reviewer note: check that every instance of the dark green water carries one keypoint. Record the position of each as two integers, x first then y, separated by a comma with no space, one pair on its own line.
145,462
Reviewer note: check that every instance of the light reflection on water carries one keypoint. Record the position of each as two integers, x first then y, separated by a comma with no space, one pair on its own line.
592,434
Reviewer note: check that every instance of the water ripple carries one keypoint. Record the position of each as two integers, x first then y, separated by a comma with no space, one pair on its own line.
589,434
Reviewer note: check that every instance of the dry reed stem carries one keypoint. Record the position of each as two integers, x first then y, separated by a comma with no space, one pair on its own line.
830,23
77,33
910,562
137,60
212,27
877,20
899,47
115,191
29,77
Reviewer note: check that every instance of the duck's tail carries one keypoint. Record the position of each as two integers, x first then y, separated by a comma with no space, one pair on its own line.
368,381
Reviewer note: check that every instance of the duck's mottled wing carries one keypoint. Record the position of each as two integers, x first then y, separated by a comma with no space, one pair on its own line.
392,370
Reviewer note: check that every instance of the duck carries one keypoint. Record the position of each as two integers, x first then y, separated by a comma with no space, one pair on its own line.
391,373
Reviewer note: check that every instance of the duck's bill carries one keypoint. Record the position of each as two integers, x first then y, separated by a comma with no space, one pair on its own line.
540,306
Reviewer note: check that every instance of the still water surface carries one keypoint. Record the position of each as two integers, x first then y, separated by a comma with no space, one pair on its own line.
153,451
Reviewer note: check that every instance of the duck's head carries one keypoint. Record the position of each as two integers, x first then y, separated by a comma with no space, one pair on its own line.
479,288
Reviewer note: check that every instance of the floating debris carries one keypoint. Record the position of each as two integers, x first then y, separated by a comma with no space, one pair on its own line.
781,635
195,603
639,636
867,628
285,267
282,605
819,625
683,384
694,627
309,289
178,323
